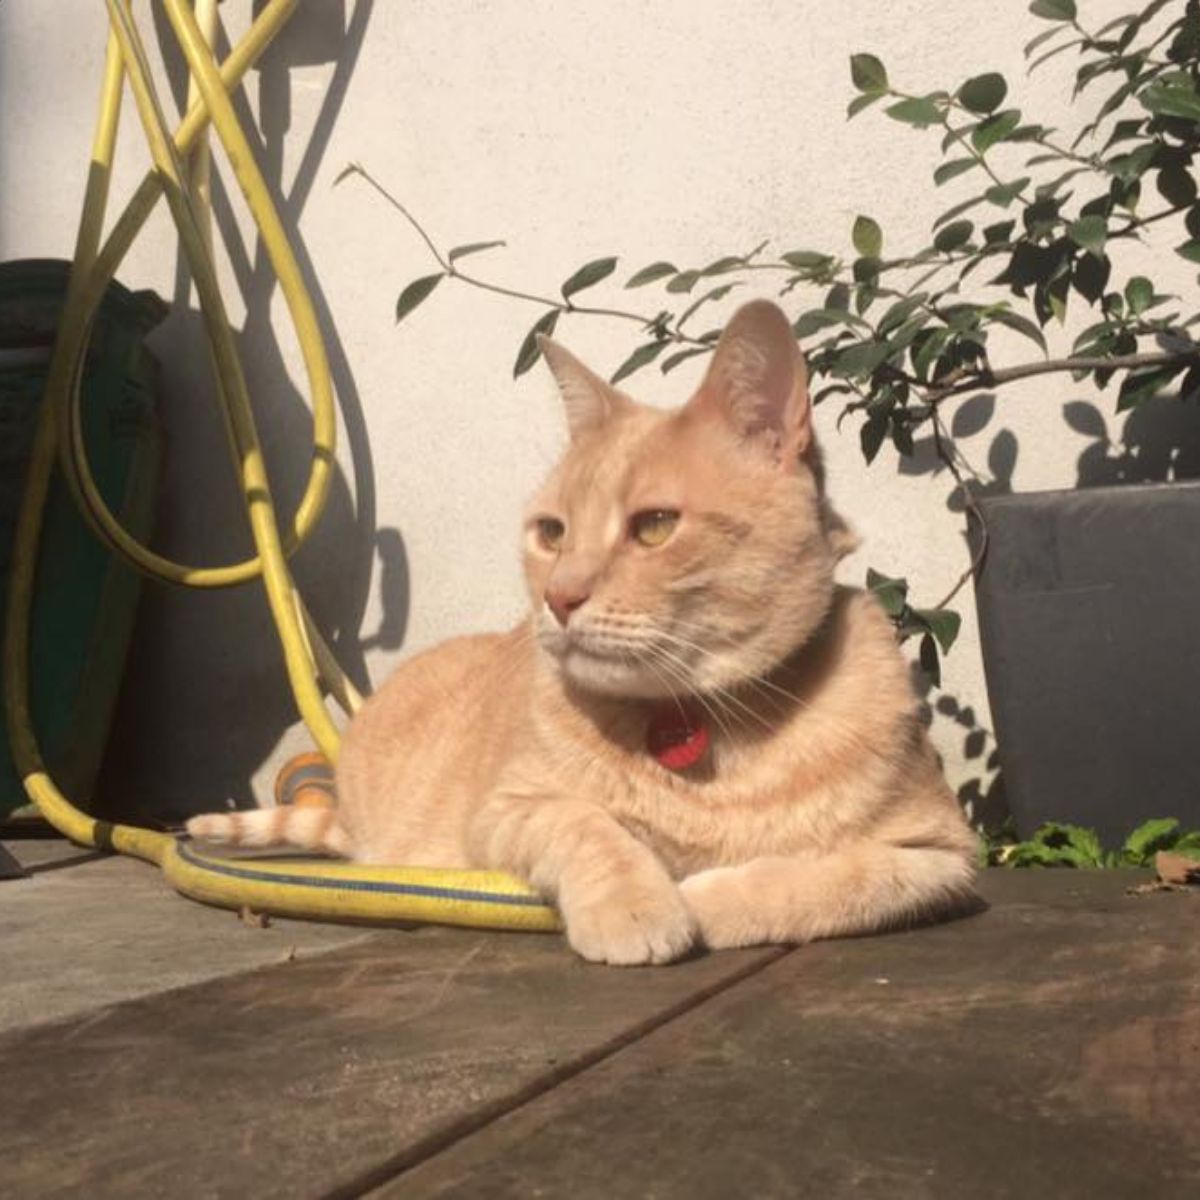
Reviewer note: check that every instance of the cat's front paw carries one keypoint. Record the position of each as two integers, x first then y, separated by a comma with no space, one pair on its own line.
628,923
719,909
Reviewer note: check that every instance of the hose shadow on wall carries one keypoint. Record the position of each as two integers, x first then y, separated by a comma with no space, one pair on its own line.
206,700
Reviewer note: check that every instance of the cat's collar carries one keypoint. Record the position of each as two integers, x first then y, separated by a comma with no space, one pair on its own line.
677,736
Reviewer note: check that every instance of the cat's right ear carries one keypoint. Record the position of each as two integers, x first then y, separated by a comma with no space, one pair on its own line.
757,383
589,401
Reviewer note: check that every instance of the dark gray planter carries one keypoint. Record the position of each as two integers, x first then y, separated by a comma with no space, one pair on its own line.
1089,619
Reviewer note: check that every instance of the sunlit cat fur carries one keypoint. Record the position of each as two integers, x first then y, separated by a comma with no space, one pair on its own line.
819,810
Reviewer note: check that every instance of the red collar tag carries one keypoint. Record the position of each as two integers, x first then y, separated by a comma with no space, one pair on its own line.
676,736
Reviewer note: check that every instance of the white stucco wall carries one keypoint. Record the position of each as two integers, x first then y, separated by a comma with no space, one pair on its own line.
676,129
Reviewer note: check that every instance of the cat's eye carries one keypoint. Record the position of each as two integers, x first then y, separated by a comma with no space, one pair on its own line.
550,531
653,527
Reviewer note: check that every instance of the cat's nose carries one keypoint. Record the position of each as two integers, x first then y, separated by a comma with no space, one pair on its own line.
563,603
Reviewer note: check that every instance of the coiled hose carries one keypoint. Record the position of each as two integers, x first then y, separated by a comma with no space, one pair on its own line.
324,890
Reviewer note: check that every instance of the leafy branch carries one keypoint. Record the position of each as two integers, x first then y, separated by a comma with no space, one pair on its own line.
893,338
586,276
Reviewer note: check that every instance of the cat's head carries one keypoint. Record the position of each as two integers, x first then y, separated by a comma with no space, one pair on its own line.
685,551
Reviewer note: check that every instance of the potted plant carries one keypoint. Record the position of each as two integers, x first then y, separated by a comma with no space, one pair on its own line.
1085,597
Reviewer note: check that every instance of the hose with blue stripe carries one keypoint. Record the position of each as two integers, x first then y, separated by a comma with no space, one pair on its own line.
320,890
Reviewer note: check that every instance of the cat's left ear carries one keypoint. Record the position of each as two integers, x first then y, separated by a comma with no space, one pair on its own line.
590,402
758,382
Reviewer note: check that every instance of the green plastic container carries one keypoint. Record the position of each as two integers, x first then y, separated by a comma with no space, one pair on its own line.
84,597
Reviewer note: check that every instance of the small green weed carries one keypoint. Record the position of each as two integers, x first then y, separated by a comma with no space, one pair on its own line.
1058,845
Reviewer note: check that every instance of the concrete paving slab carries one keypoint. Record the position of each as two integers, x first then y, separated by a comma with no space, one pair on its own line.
322,1076
107,929
1049,1047
36,854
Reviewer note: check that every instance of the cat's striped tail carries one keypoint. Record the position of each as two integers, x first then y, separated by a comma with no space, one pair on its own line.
309,828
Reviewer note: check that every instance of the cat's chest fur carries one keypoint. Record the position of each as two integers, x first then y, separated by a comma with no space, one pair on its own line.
794,766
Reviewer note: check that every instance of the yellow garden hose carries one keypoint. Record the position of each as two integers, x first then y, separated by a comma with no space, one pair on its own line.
325,890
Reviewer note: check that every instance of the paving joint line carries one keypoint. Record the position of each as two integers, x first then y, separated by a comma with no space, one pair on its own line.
438,1142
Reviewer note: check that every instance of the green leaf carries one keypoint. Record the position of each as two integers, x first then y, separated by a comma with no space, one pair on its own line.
1041,38
1053,10
1031,854
948,170
995,129
903,337
919,111
638,359
868,73
1003,194
860,102
1056,297
1070,845
871,436
807,260
1086,844
530,352
1141,385
673,360
821,318
1139,294
1150,837
471,248
722,265
588,276
1041,218
924,354
683,282
1190,250
1091,276
655,271
891,593
866,272
715,294
416,291
902,437
899,312
963,317
867,237
1165,100
859,359
838,297
1089,233
1037,62
952,236
943,623
983,93
951,213
1022,325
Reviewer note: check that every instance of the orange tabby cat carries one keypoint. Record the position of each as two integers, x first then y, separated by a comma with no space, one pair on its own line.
695,737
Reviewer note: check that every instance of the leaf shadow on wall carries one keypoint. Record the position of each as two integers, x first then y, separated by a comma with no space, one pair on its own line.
206,698
1160,442
981,795
981,792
